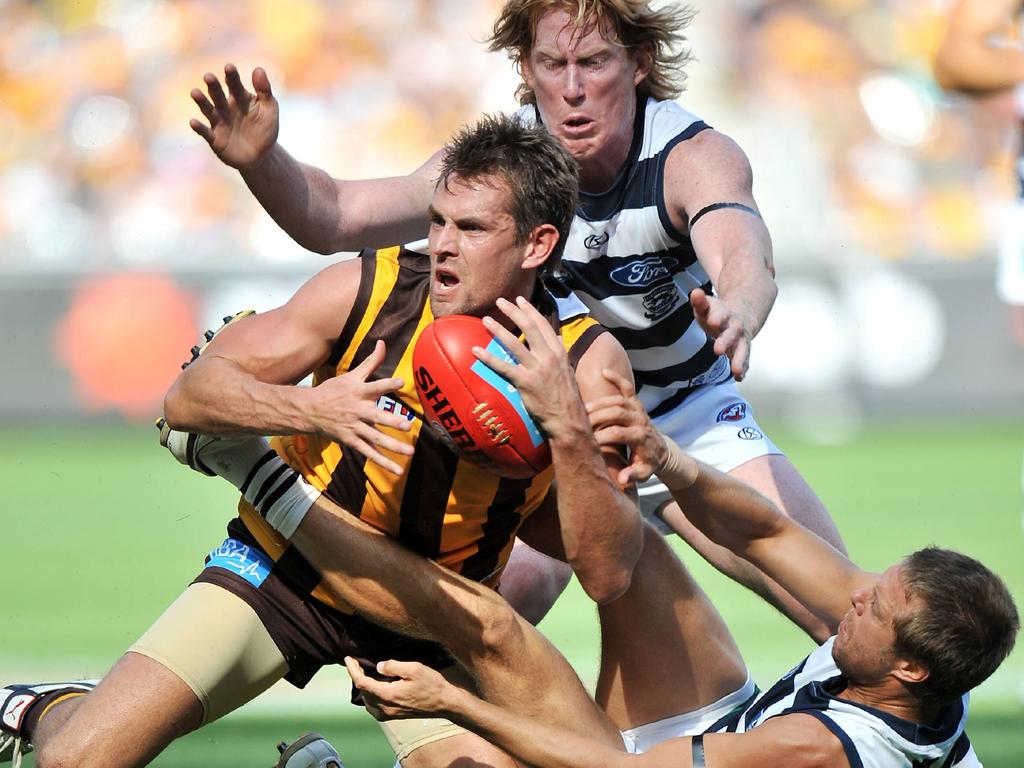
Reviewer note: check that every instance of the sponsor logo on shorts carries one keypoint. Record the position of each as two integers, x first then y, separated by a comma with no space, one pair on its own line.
733,412
749,433
242,560
594,242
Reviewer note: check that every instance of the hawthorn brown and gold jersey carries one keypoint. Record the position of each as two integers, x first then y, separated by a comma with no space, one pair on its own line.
441,506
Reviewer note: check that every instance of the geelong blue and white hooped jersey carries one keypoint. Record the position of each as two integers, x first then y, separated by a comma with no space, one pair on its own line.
871,738
634,270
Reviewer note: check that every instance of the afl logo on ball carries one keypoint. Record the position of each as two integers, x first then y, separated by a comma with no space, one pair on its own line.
733,412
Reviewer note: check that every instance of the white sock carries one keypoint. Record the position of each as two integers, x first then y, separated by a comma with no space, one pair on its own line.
279,493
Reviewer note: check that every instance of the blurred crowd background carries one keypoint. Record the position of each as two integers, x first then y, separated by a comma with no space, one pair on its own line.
120,230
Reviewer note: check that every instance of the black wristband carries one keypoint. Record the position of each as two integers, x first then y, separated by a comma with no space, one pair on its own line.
697,745
716,206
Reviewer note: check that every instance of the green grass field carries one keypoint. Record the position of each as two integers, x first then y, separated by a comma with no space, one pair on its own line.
100,530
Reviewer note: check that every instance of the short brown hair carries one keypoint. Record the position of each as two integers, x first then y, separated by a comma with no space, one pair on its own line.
542,177
633,23
961,624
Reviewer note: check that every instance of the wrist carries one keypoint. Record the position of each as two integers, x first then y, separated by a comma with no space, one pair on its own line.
258,169
678,470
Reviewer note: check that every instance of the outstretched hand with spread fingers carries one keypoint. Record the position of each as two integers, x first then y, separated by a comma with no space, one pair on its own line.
242,125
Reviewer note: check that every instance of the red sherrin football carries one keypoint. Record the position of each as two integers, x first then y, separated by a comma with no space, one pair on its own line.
481,413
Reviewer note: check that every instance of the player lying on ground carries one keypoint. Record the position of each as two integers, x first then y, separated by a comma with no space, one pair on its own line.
258,612
890,689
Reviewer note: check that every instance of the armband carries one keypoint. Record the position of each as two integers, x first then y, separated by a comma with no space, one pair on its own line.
716,206
697,745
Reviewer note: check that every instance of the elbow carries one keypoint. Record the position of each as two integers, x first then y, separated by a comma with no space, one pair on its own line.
174,407
606,579
323,247
606,587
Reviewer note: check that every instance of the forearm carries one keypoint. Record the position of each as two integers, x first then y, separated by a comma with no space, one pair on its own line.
530,740
746,282
730,513
303,200
600,525
327,215
217,397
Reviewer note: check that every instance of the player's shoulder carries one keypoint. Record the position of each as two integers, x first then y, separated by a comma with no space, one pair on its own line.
708,151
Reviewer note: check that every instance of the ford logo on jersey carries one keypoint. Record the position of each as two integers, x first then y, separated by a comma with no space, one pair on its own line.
644,272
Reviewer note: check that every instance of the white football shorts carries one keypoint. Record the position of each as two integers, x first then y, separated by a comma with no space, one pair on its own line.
715,425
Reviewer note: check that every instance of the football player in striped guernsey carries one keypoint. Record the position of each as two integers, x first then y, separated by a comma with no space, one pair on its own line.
667,250
356,443
889,690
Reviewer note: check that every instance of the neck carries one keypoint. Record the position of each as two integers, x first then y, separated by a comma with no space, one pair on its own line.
892,698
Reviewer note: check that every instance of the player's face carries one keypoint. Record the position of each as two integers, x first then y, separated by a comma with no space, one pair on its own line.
586,93
474,258
863,649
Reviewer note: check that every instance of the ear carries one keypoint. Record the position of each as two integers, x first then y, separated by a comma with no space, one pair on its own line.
524,69
539,245
644,57
910,671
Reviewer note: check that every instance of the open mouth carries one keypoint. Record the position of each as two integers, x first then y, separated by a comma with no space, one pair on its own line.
445,278
576,123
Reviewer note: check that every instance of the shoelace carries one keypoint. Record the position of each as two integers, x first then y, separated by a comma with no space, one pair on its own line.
7,740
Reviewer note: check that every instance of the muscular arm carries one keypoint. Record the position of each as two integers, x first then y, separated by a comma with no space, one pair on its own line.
599,523
244,382
796,740
976,54
320,213
733,245
729,512
327,215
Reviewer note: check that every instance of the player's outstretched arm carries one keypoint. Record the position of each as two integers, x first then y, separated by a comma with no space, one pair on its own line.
798,740
319,212
419,691
976,54
729,512
729,237
600,525
243,383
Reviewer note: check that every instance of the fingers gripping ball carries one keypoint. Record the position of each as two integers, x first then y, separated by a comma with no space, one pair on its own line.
480,414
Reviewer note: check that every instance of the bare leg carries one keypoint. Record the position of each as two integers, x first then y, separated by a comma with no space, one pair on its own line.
778,480
665,650
141,705
131,716
514,666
